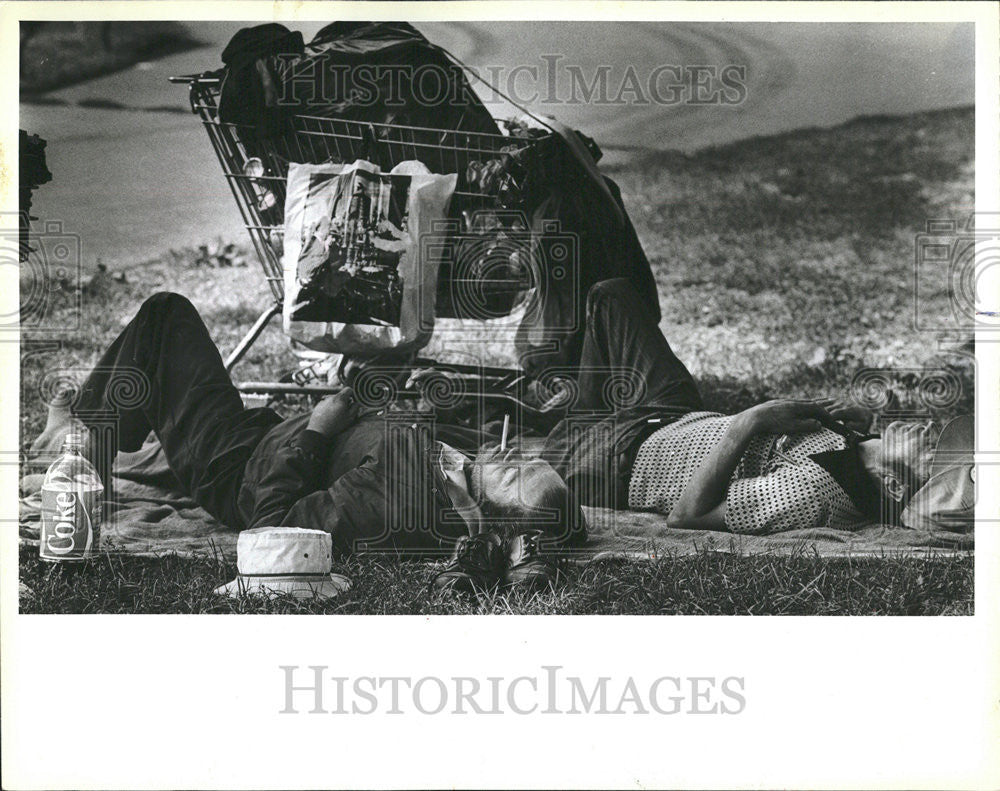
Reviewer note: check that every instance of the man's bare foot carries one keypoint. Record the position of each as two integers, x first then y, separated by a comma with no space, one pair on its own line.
31,484
59,423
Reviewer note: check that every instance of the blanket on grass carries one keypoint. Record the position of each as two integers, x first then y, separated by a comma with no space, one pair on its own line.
149,517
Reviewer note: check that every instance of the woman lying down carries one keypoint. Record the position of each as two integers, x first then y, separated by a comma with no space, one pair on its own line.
781,465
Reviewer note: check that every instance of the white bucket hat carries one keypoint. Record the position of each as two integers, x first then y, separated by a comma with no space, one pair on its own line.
285,560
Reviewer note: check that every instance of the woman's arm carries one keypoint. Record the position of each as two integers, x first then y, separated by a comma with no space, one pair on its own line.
702,505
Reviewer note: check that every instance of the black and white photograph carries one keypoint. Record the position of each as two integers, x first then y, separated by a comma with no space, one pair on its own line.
444,309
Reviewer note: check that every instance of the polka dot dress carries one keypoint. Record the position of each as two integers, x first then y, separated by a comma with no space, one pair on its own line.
775,486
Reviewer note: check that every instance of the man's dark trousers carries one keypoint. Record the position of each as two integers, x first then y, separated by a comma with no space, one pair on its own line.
189,401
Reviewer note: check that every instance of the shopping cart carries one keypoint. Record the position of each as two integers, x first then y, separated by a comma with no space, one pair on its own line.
256,171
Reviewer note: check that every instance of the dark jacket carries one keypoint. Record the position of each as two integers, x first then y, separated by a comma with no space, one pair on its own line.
375,486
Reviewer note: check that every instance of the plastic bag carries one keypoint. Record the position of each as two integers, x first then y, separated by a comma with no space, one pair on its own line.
360,266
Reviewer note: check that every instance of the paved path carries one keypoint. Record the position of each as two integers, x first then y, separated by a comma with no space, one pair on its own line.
135,183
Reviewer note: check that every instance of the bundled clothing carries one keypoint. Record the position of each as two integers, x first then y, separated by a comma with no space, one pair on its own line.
354,71
32,172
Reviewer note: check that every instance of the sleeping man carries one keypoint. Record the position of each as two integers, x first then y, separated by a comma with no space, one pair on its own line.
395,482
388,482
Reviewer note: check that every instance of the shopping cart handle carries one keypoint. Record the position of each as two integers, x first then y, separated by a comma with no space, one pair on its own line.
207,77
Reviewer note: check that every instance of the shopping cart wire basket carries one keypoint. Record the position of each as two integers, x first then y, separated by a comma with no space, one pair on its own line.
256,171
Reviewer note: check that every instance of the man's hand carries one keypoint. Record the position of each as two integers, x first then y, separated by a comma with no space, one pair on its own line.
851,415
786,417
334,413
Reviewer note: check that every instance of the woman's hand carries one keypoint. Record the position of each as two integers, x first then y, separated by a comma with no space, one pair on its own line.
334,413
786,417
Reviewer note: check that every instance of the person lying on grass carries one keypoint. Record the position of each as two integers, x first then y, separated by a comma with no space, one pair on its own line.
782,465
374,482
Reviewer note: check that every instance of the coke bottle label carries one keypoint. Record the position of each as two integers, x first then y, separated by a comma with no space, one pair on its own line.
70,524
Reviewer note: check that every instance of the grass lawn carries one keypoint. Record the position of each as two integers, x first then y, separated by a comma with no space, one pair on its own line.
709,583
785,266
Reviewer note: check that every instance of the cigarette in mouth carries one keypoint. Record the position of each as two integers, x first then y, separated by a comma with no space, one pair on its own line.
503,437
